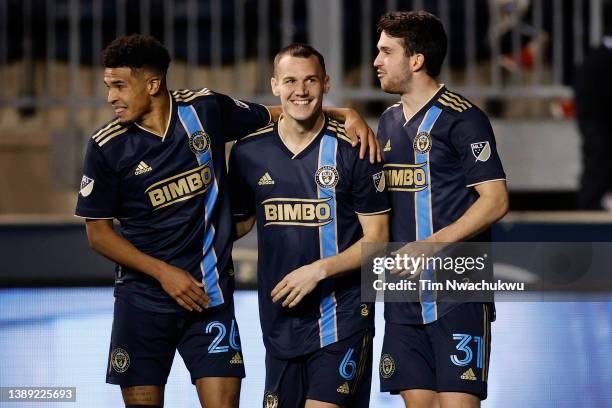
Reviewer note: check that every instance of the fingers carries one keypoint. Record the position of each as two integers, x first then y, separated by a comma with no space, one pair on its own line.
379,148
364,147
293,299
280,291
373,145
352,134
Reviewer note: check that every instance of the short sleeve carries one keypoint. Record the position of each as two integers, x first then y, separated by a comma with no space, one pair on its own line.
99,189
472,137
242,197
239,118
369,191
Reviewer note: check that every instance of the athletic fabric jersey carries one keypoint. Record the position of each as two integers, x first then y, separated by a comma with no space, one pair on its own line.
432,162
306,207
169,194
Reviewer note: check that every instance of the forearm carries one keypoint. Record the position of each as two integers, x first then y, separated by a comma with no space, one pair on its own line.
275,112
244,227
481,215
340,114
116,248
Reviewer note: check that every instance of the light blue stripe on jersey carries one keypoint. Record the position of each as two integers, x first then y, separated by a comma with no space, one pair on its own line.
192,124
424,215
328,237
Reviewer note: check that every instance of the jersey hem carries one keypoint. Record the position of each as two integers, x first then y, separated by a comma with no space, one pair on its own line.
484,181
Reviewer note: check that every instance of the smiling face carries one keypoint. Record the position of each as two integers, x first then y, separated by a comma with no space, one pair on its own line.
393,66
128,93
300,83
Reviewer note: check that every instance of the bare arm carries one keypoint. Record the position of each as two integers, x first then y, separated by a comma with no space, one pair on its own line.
486,210
244,227
176,282
356,129
302,281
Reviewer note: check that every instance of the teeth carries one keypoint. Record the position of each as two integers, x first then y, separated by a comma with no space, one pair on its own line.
300,102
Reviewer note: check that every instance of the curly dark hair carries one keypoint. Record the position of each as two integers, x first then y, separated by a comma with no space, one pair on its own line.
137,51
422,33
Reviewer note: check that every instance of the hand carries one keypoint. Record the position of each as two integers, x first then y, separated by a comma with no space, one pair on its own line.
358,131
413,258
297,284
183,288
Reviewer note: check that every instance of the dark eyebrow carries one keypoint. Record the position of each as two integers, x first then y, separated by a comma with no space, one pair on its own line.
115,82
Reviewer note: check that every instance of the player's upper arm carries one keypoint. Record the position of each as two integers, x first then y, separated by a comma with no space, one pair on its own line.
239,118
241,193
98,230
473,138
375,227
369,190
497,194
244,227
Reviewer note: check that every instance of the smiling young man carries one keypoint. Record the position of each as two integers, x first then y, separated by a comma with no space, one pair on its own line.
159,169
447,185
315,202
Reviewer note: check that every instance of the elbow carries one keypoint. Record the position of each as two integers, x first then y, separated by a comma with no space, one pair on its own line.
502,206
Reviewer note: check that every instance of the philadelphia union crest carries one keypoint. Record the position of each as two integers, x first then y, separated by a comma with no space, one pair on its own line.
199,142
120,360
422,143
327,177
387,366
270,400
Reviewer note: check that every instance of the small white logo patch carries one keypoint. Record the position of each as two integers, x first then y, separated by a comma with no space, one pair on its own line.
87,185
241,104
481,151
327,177
379,181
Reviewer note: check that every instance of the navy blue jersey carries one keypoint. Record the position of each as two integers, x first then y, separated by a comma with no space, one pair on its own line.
170,194
432,162
306,207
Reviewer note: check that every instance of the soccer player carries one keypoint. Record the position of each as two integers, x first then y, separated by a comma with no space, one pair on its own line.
159,168
314,202
447,185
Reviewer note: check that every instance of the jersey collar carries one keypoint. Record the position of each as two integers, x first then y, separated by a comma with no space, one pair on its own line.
313,141
171,120
424,108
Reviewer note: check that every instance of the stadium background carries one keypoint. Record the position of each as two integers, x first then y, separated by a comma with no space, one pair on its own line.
515,59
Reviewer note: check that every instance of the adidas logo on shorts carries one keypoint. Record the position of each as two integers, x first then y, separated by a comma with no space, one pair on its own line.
469,375
237,359
344,389
266,180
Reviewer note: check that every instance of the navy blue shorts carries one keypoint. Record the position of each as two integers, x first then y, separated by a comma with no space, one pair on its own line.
448,355
340,373
143,344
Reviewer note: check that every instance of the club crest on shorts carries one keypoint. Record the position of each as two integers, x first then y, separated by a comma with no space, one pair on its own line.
270,400
199,142
379,181
387,366
422,143
87,185
481,151
327,177
120,360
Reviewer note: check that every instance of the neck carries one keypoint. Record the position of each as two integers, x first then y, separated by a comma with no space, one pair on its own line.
419,92
298,134
156,120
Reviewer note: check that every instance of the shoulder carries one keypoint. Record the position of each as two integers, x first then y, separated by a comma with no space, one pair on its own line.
392,115
193,96
257,136
109,133
461,109
337,130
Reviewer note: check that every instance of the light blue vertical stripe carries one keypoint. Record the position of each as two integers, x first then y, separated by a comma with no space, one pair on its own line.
424,216
329,244
210,273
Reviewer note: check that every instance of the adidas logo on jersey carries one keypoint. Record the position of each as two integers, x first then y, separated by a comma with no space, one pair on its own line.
237,359
469,375
266,180
142,168
387,146
344,389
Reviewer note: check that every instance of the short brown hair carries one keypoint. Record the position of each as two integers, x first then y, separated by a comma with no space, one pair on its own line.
422,33
300,50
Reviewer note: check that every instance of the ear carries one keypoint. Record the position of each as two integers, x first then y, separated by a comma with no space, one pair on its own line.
154,84
275,86
418,62
326,84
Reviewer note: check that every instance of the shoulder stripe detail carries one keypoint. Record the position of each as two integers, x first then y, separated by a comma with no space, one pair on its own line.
450,105
186,95
105,129
266,129
112,130
396,104
453,101
105,140
457,98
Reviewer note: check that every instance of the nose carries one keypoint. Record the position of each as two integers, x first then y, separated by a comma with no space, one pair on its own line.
112,96
377,62
301,89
